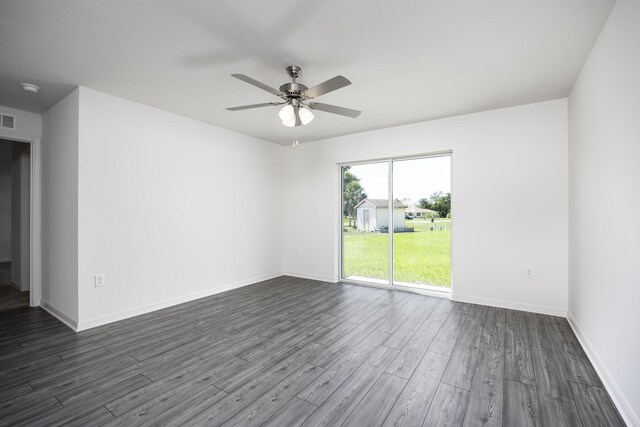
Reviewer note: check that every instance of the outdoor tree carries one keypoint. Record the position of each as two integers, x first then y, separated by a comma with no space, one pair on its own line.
425,204
352,193
439,202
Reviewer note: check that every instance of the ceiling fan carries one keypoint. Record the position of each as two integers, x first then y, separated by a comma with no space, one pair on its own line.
296,96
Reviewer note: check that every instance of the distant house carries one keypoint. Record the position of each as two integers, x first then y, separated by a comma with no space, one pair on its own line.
373,214
417,212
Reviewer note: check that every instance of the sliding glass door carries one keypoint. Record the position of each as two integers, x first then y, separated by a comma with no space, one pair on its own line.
396,226
422,233
365,248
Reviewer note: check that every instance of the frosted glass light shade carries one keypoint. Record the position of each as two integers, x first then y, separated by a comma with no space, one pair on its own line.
287,115
305,115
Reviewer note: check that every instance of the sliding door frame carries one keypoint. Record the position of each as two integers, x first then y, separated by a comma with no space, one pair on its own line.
421,289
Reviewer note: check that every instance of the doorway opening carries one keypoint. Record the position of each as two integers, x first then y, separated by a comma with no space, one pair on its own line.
396,222
15,220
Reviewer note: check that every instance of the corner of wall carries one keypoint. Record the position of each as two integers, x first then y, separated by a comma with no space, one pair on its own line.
65,318
59,174
619,400
603,152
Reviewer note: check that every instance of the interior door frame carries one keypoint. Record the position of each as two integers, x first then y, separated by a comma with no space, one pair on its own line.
35,266
421,289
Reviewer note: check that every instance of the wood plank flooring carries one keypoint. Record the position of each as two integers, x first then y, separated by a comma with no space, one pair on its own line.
295,352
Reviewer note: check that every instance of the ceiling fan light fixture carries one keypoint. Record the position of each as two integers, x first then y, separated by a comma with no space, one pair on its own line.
305,115
287,114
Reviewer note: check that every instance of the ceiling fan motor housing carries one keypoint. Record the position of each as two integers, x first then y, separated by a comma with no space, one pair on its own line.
293,90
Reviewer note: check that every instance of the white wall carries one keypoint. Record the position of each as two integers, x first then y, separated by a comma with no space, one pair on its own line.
510,162
604,157
382,217
28,125
398,218
60,209
159,196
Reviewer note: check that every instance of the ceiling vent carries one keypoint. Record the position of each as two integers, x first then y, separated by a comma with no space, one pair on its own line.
7,121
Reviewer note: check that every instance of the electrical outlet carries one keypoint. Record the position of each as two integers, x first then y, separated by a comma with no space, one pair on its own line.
529,273
98,280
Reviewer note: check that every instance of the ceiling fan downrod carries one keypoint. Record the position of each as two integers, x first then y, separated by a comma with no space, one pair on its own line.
294,90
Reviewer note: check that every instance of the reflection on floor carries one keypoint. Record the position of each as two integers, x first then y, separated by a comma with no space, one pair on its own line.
10,297
440,290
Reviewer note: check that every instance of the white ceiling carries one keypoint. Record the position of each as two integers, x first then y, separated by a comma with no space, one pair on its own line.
409,60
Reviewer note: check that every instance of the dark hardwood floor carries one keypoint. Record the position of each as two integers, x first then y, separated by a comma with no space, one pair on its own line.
298,352
10,297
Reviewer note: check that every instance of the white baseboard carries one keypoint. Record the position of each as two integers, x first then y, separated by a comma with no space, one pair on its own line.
59,314
18,286
15,285
509,304
311,277
624,408
103,320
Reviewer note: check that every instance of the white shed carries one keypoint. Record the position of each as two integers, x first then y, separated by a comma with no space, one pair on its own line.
373,214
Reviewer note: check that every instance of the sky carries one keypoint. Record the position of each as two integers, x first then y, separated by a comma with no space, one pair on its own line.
413,179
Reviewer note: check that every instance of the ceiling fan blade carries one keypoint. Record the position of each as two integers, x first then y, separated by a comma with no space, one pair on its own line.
246,107
334,109
256,83
329,86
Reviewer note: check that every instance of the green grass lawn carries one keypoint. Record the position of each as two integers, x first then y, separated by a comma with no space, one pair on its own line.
423,256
